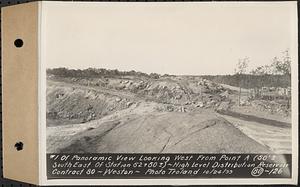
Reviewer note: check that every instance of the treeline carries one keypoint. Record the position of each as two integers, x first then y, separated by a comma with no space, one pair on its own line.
243,80
252,81
97,73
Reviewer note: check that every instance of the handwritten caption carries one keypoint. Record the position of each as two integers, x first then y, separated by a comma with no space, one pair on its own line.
168,165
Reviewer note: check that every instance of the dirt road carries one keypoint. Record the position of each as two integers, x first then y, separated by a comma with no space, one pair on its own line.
277,138
270,130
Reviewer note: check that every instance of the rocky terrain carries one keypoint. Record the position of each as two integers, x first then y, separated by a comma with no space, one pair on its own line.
156,114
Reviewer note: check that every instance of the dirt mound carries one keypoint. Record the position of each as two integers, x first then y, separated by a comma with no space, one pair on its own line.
177,91
79,100
67,104
155,133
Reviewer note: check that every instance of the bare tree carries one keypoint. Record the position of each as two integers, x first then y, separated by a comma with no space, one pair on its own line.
240,69
282,66
279,66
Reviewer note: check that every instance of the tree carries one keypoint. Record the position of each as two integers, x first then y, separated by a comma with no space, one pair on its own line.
240,69
262,70
282,66
241,66
154,75
279,66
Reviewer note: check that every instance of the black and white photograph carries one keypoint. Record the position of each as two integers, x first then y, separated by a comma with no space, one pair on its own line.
150,93
204,78
169,90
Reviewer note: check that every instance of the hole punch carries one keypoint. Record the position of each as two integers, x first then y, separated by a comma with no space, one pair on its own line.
19,146
19,43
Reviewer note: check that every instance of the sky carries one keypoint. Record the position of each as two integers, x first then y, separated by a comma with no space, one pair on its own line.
172,38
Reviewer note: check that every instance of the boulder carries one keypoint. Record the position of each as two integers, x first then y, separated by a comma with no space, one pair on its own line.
224,94
128,104
224,106
200,104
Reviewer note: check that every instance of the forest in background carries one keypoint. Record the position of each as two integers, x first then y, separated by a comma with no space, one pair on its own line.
277,74
246,80
252,81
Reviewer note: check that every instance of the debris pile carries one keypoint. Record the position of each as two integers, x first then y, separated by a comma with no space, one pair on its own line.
273,107
66,105
79,100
